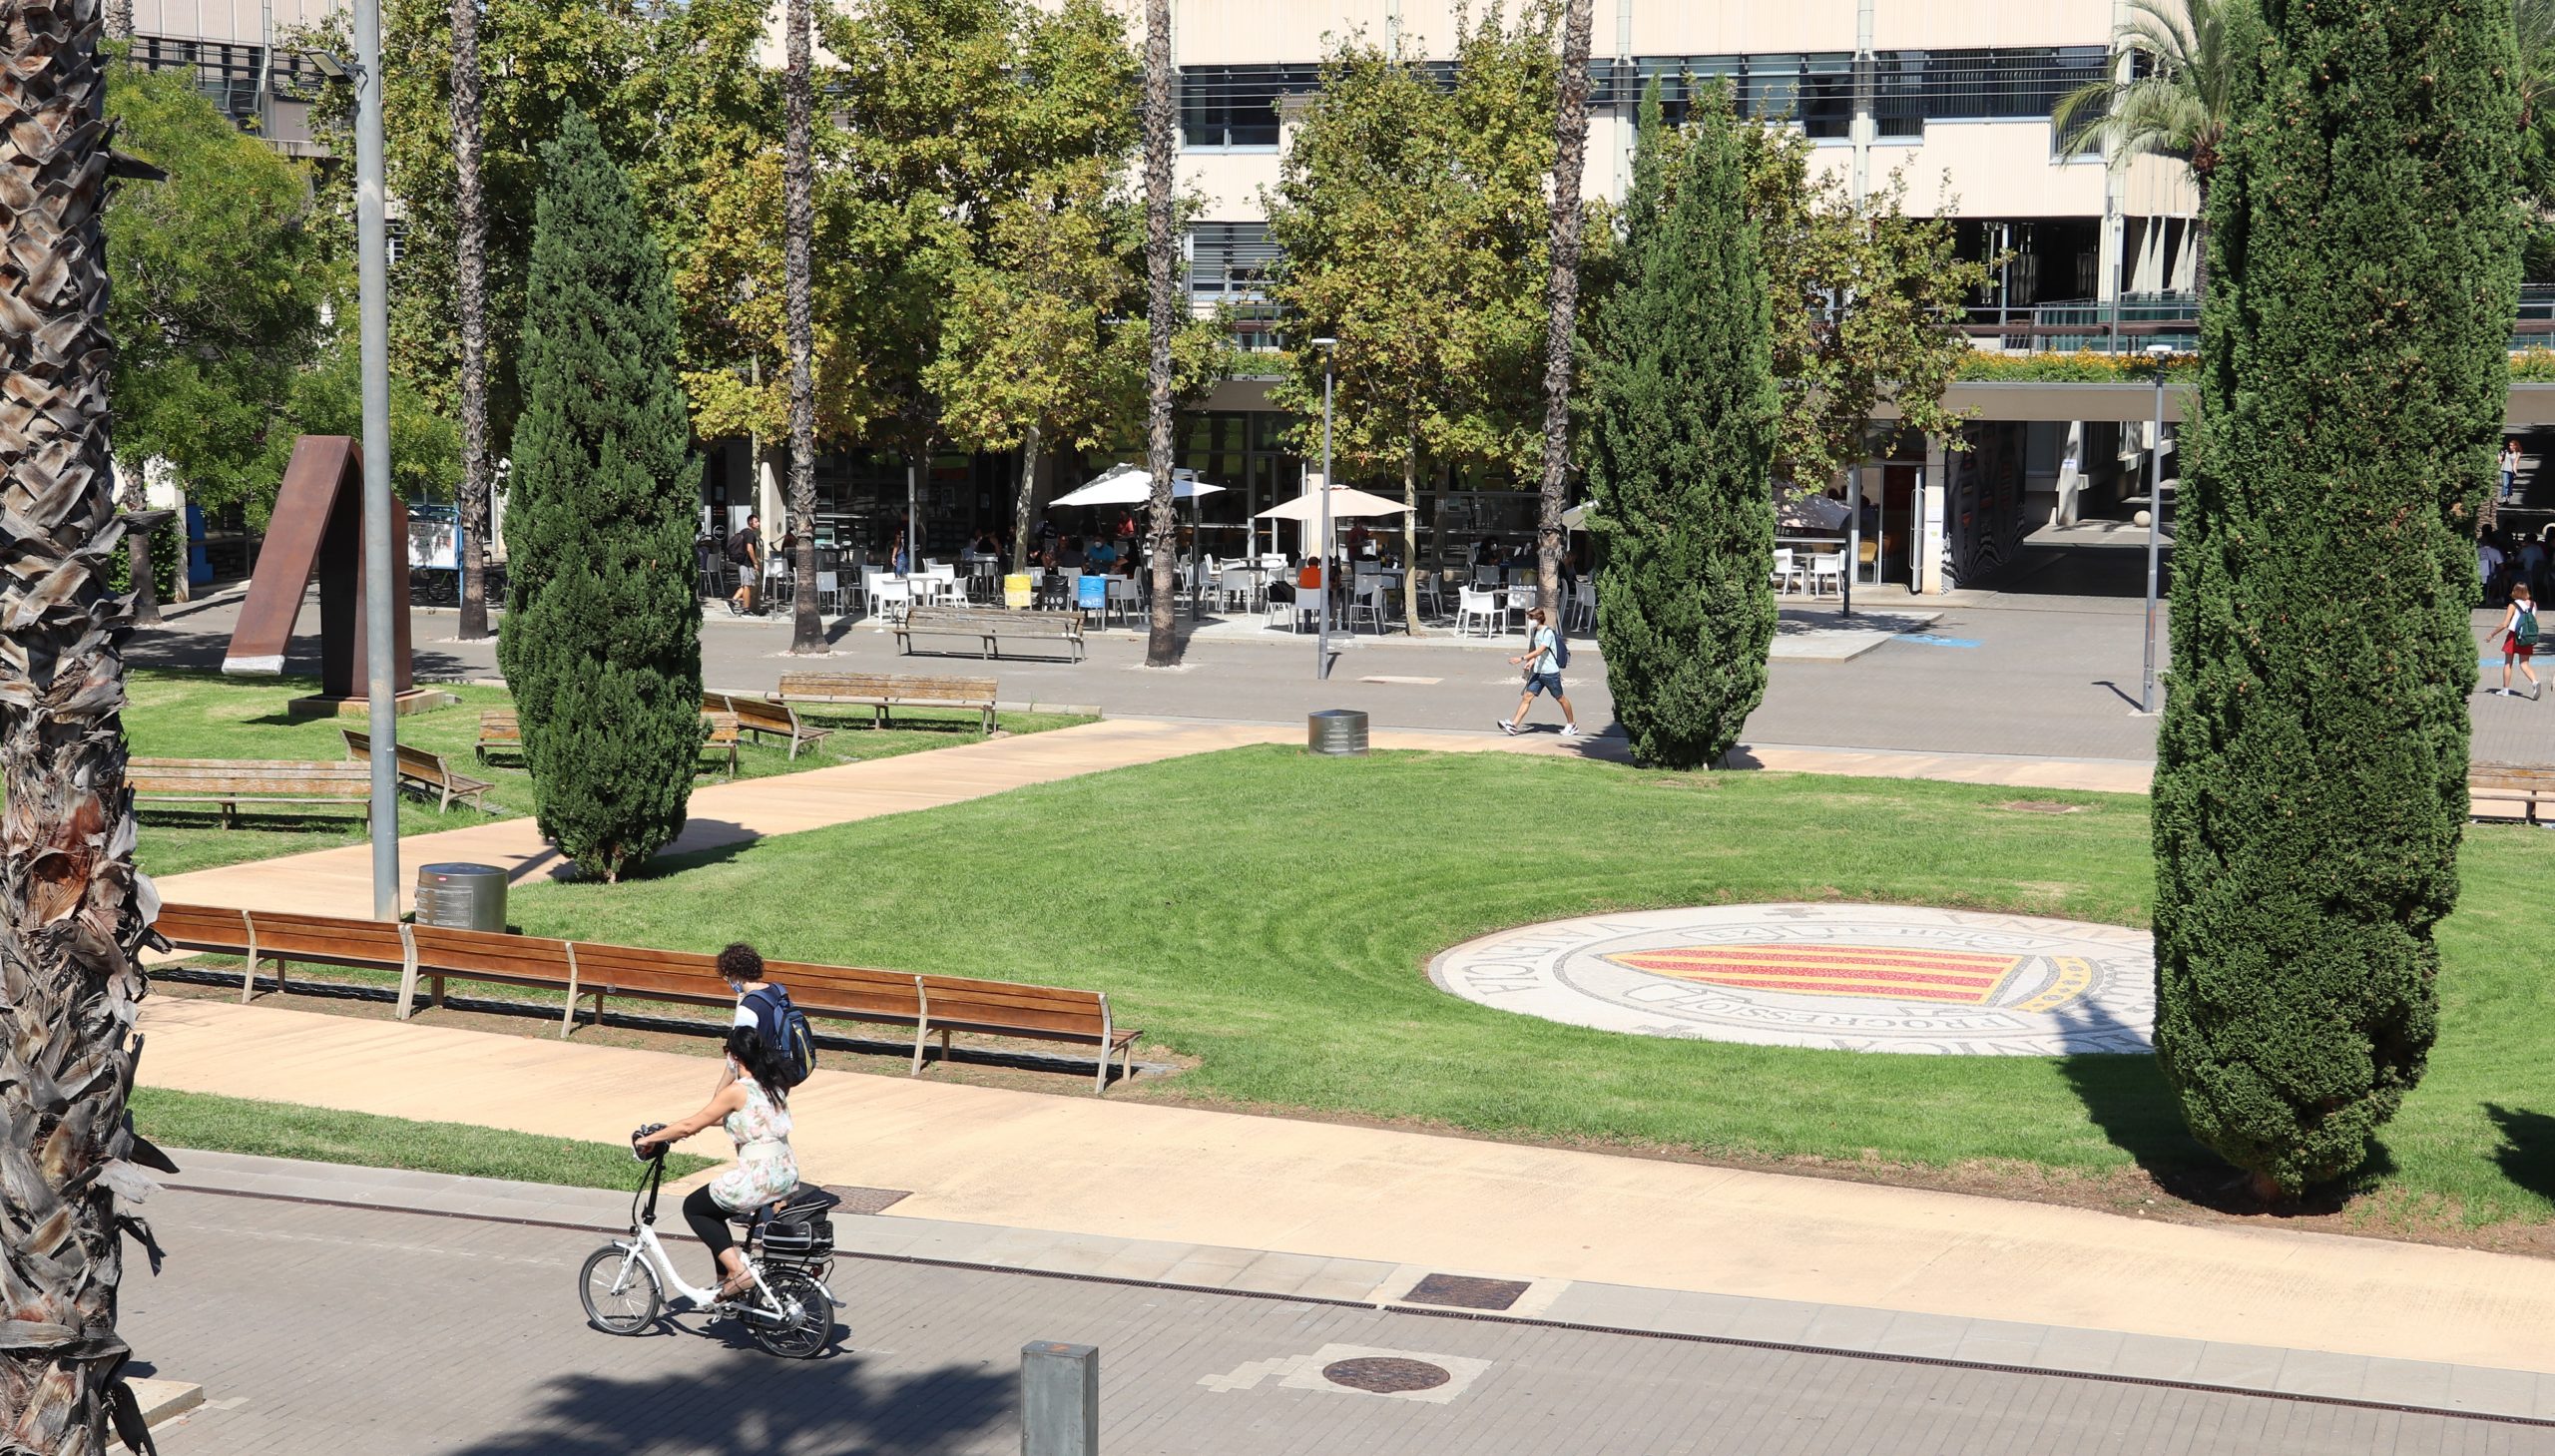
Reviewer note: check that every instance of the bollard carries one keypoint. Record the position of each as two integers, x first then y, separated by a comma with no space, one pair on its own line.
1059,1400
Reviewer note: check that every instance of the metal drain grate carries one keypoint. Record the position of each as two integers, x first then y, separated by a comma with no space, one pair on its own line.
1384,1375
1460,1292
857,1200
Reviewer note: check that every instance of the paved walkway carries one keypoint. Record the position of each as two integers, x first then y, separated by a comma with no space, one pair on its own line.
1121,1169
330,1329
339,881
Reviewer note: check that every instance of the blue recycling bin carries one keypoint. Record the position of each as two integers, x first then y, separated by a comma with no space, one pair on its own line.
1092,592
198,564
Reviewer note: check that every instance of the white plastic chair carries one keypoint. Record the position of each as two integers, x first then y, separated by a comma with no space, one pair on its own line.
1521,600
1476,604
1784,572
895,597
1370,600
1827,574
1120,599
828,591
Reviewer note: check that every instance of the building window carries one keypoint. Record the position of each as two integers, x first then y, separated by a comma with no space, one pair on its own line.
1234,108
1984,85
1909,87
1229,267
227,73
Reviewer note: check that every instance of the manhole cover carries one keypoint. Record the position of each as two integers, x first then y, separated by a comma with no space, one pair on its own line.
1462,1292
866,1200
1384,1375
2040,807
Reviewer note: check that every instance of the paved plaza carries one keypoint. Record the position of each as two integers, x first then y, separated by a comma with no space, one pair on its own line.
324,1329
1992,673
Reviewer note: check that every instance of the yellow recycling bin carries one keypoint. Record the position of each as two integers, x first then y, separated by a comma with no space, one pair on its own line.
1015,590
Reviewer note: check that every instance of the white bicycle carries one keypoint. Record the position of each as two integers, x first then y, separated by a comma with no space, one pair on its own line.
789,1248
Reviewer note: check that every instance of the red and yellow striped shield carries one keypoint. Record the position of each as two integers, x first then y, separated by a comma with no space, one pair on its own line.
1874,972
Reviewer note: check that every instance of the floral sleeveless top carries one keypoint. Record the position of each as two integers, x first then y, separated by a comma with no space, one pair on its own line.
765,1168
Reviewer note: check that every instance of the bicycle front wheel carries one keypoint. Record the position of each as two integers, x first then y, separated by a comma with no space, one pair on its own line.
811,1327
619,1289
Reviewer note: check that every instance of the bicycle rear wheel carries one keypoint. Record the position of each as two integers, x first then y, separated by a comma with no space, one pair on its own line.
813,1327
619,1289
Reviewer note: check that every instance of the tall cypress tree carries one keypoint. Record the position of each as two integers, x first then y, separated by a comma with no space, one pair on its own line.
1680,436
601,637
2311,786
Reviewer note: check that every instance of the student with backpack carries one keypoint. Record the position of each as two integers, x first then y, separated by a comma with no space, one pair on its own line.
764,1008
1545,658
2519,641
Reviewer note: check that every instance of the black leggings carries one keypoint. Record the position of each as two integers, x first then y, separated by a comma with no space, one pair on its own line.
710,1223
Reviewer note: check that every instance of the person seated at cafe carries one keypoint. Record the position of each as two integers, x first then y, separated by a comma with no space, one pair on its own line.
987,543
1486,552
1101,557
1071,558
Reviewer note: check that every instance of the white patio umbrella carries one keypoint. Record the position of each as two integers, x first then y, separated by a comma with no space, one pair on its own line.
1346,504
1132,485
1576,518
1809,511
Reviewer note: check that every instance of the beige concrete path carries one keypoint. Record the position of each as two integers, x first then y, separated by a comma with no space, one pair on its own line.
1127,1170
339,881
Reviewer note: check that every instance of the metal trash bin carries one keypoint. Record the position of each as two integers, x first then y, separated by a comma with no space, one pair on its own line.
462,897
1335,731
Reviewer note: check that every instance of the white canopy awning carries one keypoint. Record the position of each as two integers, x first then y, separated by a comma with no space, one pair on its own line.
1346,504
1133,485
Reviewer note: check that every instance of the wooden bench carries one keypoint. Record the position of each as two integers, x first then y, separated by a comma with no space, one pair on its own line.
2512,783
324,939
230,782
882,693
763,716
939,1006
425,771
500,728
989,626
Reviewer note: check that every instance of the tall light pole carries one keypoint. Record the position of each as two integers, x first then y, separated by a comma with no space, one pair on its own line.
1329,360
2157,355
374,285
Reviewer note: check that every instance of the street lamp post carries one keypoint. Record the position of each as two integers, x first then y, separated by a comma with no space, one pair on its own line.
1329,358
373,308
2157,355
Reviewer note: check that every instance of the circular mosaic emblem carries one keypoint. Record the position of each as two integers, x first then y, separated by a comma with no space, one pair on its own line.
1857,978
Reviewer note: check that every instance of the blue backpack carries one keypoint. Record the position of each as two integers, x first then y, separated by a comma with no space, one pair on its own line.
785,1027
1561,648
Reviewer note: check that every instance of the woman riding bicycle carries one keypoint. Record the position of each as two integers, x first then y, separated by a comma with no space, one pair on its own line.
756,1107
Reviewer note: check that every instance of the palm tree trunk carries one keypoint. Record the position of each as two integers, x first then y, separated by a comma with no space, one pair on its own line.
798,171
470,288
119,20
1162,646
72,907
1024,503
2199,244
1561,294
1411,539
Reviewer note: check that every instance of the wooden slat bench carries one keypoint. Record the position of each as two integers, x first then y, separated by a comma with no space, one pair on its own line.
2512,783
499,727
763,716
1039,1013
425,771
883,693
989,626
939,1006
230,782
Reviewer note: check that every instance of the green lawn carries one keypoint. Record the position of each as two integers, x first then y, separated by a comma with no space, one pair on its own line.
175,1119
1272,915
208,716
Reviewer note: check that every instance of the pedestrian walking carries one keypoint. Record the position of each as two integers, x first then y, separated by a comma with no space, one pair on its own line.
2519,643
746,550
1543,662
2510,467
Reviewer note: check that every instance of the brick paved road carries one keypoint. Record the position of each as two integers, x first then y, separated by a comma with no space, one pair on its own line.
341,1330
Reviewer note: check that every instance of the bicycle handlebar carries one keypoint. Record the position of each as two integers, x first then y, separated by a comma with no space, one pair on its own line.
651,1155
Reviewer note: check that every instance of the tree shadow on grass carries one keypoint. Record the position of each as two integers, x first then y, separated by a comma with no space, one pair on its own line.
748,1404
2128,1097
2527,1154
